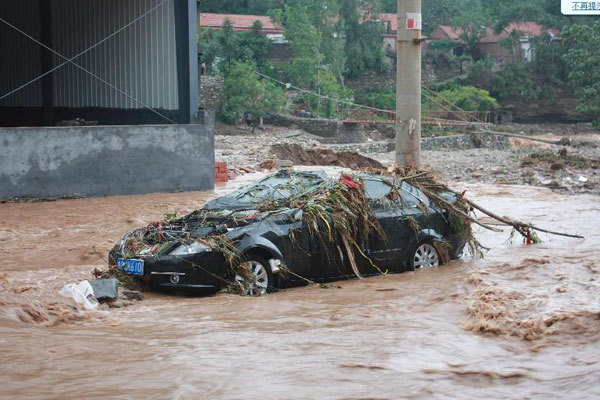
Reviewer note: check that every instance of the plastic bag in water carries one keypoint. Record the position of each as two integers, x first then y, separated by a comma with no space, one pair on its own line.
82,293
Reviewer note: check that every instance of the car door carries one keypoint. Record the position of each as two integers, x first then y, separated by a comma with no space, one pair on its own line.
415,213
330,260
292,238
383,253
383,250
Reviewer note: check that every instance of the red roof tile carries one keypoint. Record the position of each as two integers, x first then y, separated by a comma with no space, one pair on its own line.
525,28
240,22
530,29
446,32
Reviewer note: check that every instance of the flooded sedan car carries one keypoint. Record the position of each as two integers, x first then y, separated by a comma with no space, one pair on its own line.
258,238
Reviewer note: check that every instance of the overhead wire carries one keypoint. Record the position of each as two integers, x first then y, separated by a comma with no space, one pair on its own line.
443,99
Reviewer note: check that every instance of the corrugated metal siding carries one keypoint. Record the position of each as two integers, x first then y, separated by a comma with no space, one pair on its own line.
21,58
141,60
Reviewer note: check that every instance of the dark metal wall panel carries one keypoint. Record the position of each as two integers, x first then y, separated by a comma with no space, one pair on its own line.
141,60
20,59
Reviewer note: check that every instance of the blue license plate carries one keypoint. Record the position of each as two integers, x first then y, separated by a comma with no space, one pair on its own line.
131,266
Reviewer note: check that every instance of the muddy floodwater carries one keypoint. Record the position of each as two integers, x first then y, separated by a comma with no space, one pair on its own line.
524,322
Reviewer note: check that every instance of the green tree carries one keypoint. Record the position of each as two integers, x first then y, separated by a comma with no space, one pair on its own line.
473,22
254,45
383,98
481,73
228,43
548,64
583,60
210,47
362,30
514,81
441,12
317,62
245,92
389,6
311,30
227,46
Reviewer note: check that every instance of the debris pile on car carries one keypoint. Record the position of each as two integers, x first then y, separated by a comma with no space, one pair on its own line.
341,210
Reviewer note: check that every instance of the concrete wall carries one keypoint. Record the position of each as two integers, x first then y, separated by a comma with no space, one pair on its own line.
106,160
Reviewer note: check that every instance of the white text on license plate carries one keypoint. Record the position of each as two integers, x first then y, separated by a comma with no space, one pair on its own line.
131,266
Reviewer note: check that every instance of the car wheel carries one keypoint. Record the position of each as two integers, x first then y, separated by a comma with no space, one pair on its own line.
253,277
424,255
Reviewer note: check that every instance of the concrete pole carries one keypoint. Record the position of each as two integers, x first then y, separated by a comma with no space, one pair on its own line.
408,83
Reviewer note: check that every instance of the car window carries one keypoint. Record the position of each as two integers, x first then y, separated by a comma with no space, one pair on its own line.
408,200
412,196
376,189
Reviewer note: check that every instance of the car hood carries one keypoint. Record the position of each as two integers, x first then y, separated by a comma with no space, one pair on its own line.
160,239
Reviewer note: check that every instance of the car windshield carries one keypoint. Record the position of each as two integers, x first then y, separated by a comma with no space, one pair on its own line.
379,189
376,189
282,185
413,195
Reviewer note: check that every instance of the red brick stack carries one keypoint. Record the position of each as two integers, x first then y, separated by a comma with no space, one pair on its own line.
221,172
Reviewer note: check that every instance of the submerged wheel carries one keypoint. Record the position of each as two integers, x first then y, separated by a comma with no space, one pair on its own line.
254,277
424,256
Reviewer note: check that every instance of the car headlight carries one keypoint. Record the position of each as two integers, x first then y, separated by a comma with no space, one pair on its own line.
193,248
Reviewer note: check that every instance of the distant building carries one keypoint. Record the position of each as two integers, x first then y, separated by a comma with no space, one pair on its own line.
491,45
390,25
243,23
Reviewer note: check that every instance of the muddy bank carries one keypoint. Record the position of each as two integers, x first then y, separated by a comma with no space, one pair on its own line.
300,156
538,307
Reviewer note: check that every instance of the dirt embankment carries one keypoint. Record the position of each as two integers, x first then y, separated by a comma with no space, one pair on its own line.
320,156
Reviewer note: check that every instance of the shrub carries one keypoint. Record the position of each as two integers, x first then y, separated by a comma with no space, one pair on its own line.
470,98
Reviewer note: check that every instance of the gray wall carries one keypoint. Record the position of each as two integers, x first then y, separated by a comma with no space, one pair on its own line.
105,160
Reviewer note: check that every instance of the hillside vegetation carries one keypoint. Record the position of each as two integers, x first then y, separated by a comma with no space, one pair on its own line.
330,42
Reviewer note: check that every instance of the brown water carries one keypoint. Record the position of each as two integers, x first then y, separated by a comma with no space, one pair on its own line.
522,323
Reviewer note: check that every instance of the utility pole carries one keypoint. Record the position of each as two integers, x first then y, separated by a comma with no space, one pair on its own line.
408,83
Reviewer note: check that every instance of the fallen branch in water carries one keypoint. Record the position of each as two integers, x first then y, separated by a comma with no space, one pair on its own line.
425,181
459,212
518,225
